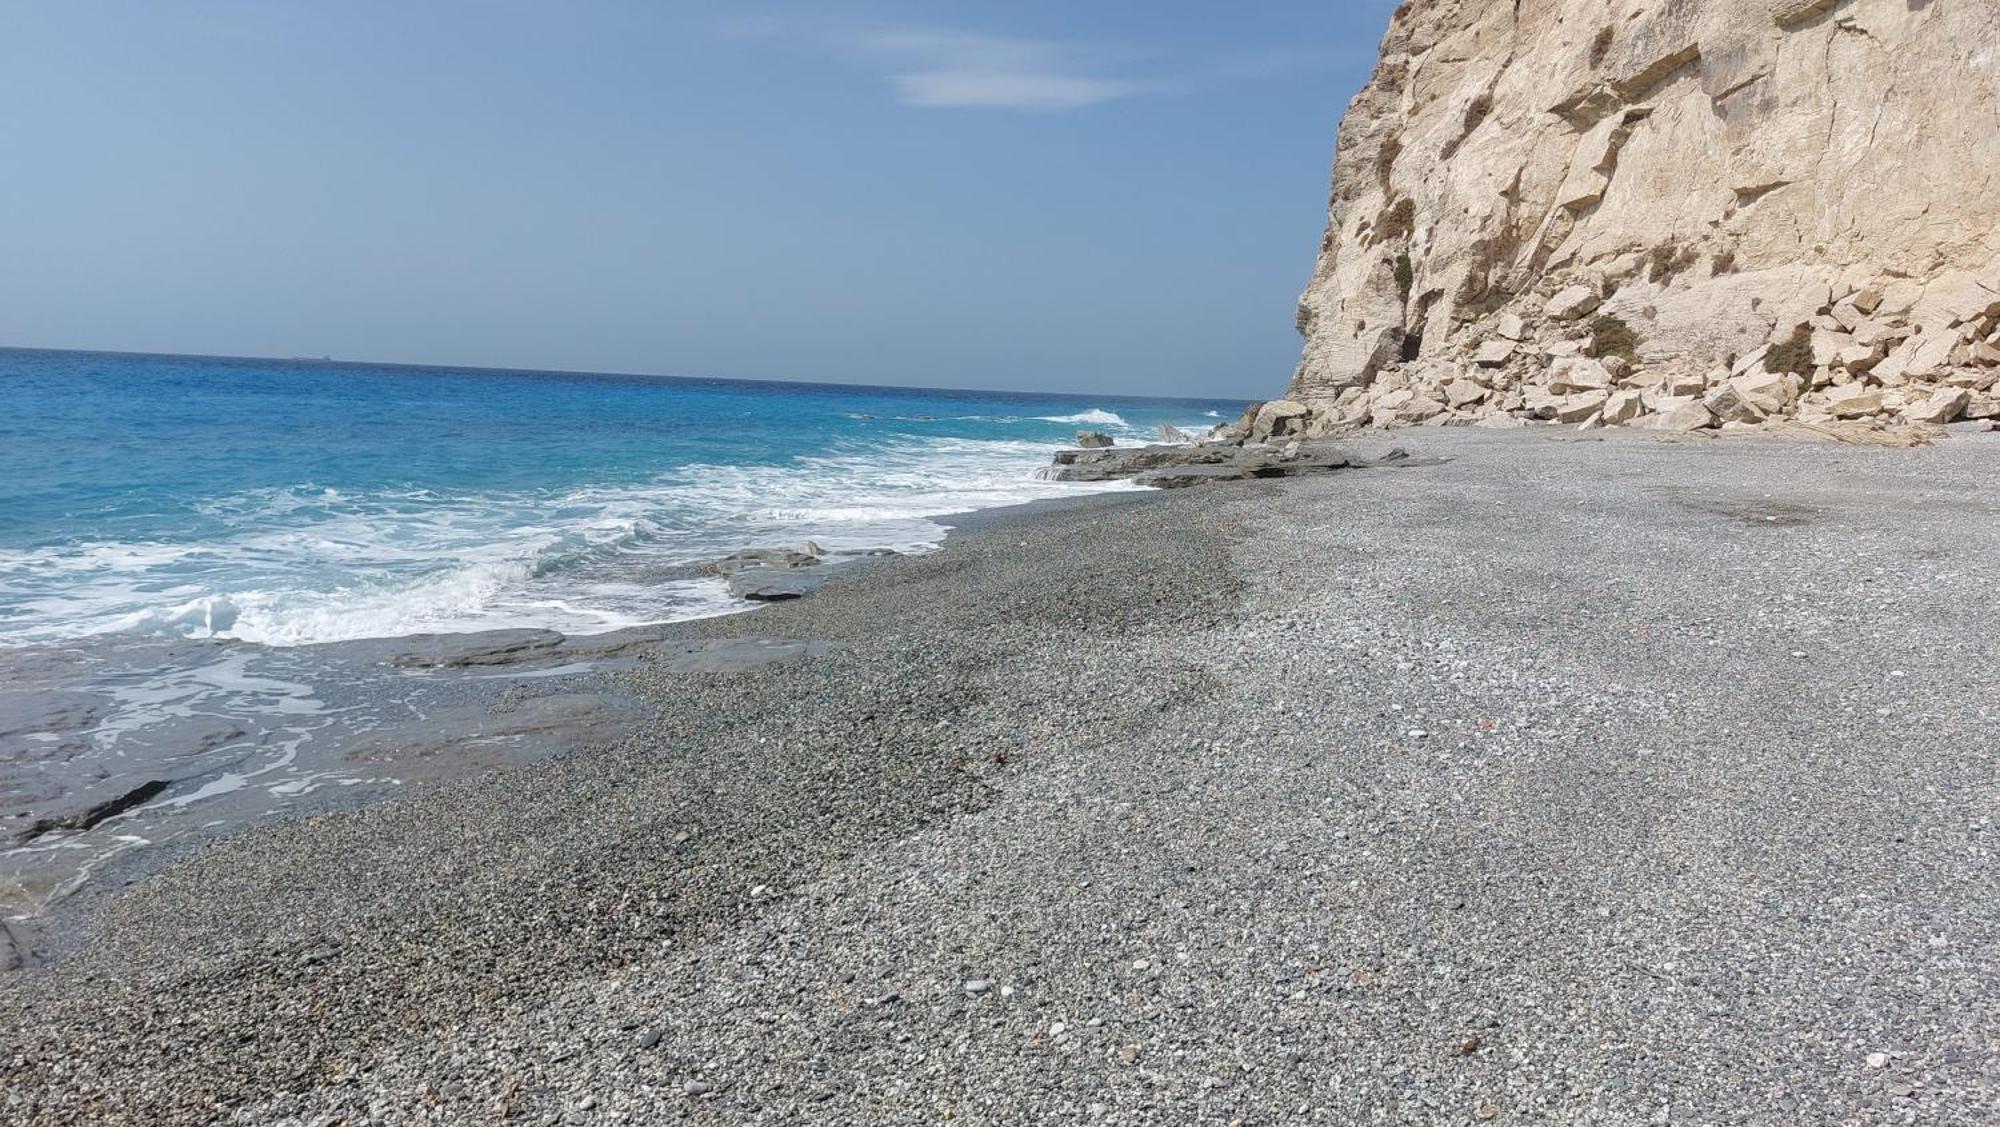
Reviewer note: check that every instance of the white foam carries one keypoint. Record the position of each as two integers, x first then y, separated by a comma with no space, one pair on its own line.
1096,417
305,567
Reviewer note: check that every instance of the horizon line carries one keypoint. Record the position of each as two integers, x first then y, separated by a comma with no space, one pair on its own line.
329,361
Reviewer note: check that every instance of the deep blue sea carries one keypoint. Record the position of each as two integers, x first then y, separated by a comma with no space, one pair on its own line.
296,502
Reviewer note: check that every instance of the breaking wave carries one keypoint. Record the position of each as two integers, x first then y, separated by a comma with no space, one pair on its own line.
307,565
1095,417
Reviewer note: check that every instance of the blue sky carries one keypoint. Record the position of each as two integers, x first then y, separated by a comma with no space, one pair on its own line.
1072,196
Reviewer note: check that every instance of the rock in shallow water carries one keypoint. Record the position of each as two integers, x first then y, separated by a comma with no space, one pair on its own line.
780,559
457,651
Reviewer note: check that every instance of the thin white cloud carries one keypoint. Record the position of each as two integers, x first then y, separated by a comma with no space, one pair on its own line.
1017,90
937,68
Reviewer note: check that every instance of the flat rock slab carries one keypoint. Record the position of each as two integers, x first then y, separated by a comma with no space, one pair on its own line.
462,739
47,712
497,648
764,585
1182,467
1186,477
458,651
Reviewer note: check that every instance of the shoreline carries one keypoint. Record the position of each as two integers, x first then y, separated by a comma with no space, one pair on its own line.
1219,805
60,875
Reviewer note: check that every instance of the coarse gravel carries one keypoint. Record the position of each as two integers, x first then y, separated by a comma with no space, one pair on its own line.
1580,779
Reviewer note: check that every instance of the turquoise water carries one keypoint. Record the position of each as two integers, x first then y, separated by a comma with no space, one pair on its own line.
288,503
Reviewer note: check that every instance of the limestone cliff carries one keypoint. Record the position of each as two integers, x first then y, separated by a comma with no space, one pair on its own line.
1680,213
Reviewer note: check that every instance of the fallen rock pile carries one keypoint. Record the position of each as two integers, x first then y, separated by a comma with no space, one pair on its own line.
1896,353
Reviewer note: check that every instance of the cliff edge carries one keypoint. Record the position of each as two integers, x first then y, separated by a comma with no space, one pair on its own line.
1672,213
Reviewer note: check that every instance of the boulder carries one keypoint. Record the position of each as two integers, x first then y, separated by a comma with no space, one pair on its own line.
1940,407
1576,408
1918,357
1494,353
1882,334
1279,418
1767,392
1729,405
1623,407
1683,384
1573,303
1419,408
1234,432
1754,362
1094,439
1853,401
1577,374
1464,393
1511,327
1680,418
1931,354
1859,358
1538,403
1826,346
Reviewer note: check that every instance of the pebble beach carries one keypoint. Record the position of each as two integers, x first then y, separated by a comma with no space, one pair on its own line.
1554,778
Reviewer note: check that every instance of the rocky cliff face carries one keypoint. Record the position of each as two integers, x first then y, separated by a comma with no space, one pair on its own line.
1677,213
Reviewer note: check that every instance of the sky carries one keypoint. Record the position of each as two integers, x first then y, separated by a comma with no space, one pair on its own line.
1119,196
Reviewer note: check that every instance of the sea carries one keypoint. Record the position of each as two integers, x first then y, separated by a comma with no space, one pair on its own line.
296,502
186,544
